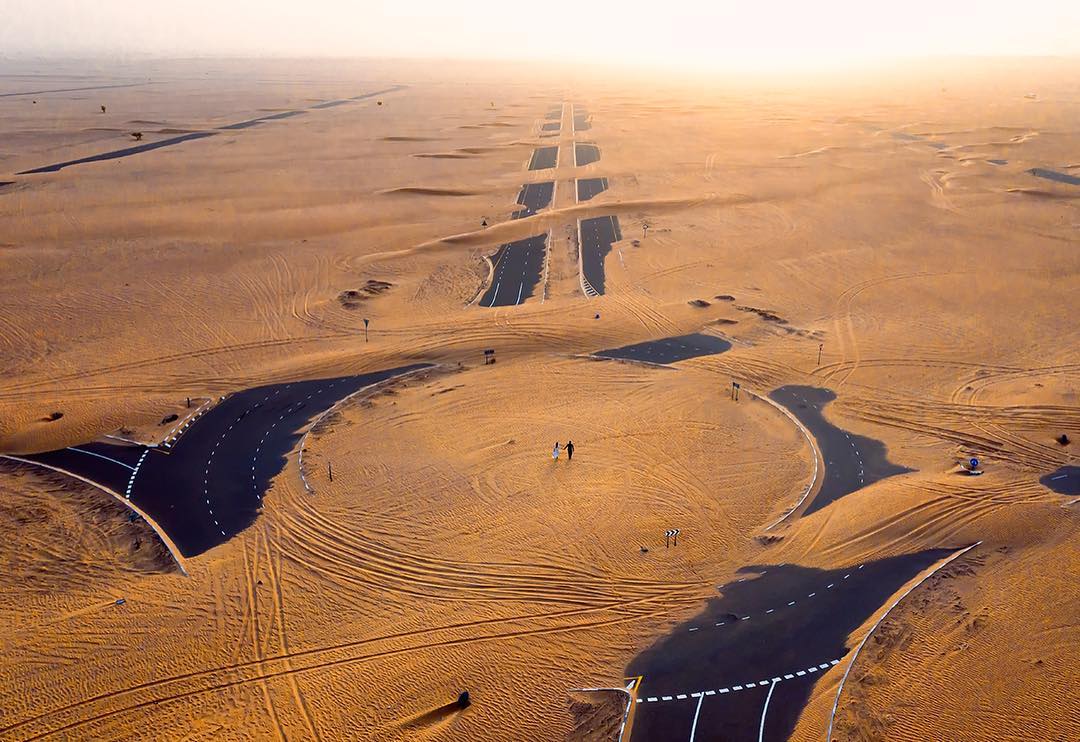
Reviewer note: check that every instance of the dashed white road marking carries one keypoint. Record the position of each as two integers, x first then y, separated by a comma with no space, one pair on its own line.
772,610
134,473
737,688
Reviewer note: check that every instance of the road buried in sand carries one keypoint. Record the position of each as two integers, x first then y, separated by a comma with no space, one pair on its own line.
534,197
517,269
544,158
597,236
209,484
669,350
586,154
851,461
587,188
171,141
744,668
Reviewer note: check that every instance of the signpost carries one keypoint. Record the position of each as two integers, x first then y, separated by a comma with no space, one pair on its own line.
735,390
820,346
671,536
366,321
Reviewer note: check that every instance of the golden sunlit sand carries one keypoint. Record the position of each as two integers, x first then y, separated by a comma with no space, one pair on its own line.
864,219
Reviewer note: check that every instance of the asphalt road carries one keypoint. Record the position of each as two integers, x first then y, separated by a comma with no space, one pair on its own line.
171,141
1064,481
554,114
74,90
744,668
586,154
581,119
589,187
597,235
534,196
210,484
544,158
1041,172
553,126
519,267
851,461
669,350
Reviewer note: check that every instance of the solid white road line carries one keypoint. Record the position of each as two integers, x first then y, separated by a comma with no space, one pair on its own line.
858,649
693,728
764,710
91,453
495,295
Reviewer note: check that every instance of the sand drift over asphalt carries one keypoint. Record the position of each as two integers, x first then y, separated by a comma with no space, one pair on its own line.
669,350
781,625
150,146
209,485
851,461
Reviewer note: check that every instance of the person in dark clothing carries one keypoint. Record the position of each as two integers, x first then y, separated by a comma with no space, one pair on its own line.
569,450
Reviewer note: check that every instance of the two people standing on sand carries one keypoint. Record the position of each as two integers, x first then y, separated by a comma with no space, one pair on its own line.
569,451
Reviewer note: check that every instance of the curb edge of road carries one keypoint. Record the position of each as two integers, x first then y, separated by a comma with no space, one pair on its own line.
626,713
373,387
813,447
168,542
858,649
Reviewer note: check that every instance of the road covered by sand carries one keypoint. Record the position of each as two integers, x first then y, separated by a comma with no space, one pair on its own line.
889,224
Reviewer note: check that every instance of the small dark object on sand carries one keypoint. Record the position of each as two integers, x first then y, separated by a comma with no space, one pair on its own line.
597,316
379,103
698,303
1063,439
137,135
169,418
54,416
644,549
120,601
103,109
463,699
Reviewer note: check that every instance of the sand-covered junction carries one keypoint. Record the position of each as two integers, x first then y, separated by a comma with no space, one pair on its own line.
888,309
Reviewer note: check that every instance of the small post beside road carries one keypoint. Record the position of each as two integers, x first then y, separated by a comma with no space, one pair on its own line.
489,356
671,535
735,390
820,346
366,322
330,471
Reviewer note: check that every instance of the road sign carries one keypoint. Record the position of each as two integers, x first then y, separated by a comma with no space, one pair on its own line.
671,534
974,463
366,321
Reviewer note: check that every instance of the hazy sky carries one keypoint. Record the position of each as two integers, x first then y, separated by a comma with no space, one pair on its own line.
700,34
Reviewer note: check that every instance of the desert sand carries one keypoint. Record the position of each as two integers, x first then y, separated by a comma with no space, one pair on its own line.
859,216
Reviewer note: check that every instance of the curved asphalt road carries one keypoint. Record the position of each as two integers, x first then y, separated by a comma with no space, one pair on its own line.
851,461
209,485
743,669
